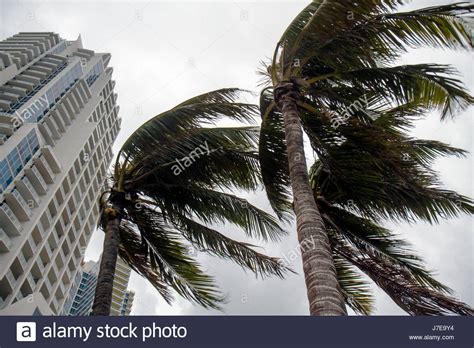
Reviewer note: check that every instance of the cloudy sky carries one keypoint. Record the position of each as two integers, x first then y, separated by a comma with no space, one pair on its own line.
164,52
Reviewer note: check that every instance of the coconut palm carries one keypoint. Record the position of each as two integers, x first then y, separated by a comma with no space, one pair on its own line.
334,58
171,181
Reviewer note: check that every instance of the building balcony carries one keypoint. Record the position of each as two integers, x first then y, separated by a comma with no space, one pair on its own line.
11,280
48,251
29,79
53,240
27,190
63,113
69,109
41,230
73,102
31,242
36,180
10,223
42,69
5,242
22,84
40,265
36,73
78,98
47,285
18,205
51,159
58,120
22,260
44,169
52,127
60,228
31,283
84,91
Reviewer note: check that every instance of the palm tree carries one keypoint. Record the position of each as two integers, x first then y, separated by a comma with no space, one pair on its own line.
335,57
170,182
376,172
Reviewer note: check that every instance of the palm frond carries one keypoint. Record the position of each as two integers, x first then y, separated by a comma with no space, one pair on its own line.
214,207
356,291
224,95
170,180
131,252
370,39
169,258
402,287
194,113
371,239
273,158
429,85
322,19
217,157
385,184
215,243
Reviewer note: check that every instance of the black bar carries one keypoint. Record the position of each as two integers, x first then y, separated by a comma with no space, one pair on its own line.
240,331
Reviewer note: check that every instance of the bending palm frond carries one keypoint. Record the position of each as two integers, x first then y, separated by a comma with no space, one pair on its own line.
170,182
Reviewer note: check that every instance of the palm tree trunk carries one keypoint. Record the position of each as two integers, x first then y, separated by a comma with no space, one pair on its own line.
324,294
105,279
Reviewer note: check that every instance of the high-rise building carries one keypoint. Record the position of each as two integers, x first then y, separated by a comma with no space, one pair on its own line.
84,291
58,121
122,299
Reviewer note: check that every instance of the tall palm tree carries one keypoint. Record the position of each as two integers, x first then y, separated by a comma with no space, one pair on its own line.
334,57
170,182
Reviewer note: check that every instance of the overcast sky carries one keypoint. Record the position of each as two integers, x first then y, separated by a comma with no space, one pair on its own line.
164,52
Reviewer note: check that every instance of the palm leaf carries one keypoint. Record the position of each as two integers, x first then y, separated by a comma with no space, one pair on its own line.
273,158
356,291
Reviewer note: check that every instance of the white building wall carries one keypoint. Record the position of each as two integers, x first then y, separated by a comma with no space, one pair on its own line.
43,242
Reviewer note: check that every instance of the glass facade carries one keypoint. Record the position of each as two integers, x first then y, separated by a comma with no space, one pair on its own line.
38,109
94,73
123,310
62,46
84,297
17,159
22,101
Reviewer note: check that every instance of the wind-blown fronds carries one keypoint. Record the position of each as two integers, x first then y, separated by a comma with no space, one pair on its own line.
389,261
356,291
215,243
213,207
339,56
170,185
193,114
401,286
343,35
428,85
273,157
369,238
384,175
167,261
222,157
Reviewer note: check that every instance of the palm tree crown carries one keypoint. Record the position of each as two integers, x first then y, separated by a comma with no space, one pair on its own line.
171,181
